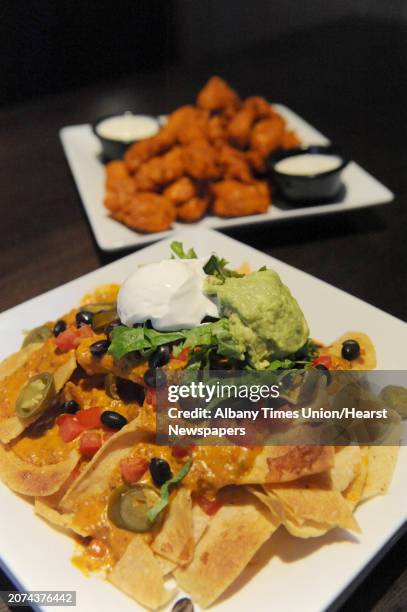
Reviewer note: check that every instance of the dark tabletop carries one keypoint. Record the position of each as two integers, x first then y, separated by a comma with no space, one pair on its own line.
347,79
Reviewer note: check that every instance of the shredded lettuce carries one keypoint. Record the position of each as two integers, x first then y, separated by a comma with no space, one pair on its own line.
178,249
139,339
216,266
165,491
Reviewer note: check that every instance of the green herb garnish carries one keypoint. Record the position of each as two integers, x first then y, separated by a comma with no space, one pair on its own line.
178,249
165,491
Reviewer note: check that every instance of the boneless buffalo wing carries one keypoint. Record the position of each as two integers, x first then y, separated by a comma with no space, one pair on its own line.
208,158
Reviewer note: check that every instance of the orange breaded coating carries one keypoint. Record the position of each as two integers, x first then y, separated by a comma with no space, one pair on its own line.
147,212
216,95
180,191
259,106
193,209
240,126
117,177
188,124
141,151
290,140
233,199
199,161
267,135
256,161
159,171
217,129
233,164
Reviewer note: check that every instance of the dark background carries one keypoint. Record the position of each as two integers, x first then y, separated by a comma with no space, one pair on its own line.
340,64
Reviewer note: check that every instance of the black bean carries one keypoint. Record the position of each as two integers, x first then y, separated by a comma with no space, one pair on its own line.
59,327
160,471
160,357
350,350
69,407
324,371
83,317
183,605
99,348
113,419
155,378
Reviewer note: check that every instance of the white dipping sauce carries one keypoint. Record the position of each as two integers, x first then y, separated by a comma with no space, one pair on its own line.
308,164
127,127
169,294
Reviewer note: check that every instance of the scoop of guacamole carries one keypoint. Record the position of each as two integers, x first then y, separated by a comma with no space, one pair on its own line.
265,319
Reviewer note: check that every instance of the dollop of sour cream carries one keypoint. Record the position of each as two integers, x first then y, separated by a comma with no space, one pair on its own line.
127,127
169,294
308,164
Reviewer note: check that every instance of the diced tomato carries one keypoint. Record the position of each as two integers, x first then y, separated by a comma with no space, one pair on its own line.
90,417
179,452
210,506
71,337
133,468
66,340
324,360
85,331
96,548
90,443
69,427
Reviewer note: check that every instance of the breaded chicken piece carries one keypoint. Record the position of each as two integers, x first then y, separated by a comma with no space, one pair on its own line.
256,161
180,191
233,199
199,160
233,164
267,135
118,178
218,96
146,212
193,209
240,126
188,124
290,140
259,106
159,171
145,149
217,129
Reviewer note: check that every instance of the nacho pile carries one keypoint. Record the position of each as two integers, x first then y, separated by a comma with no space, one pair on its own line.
77,432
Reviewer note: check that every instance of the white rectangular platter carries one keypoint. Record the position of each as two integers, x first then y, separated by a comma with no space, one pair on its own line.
82,150
290,574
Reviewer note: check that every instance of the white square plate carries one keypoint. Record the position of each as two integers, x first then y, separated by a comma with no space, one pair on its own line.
291,574
82,150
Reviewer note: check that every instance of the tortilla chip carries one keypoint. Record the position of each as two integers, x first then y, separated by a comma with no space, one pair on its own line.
51,515
13,426
166,566
347,465
28,479
354,490
285,463
138,574
367,357
175,540
310,512
200,522
233,536
381,463
94,478
18,359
